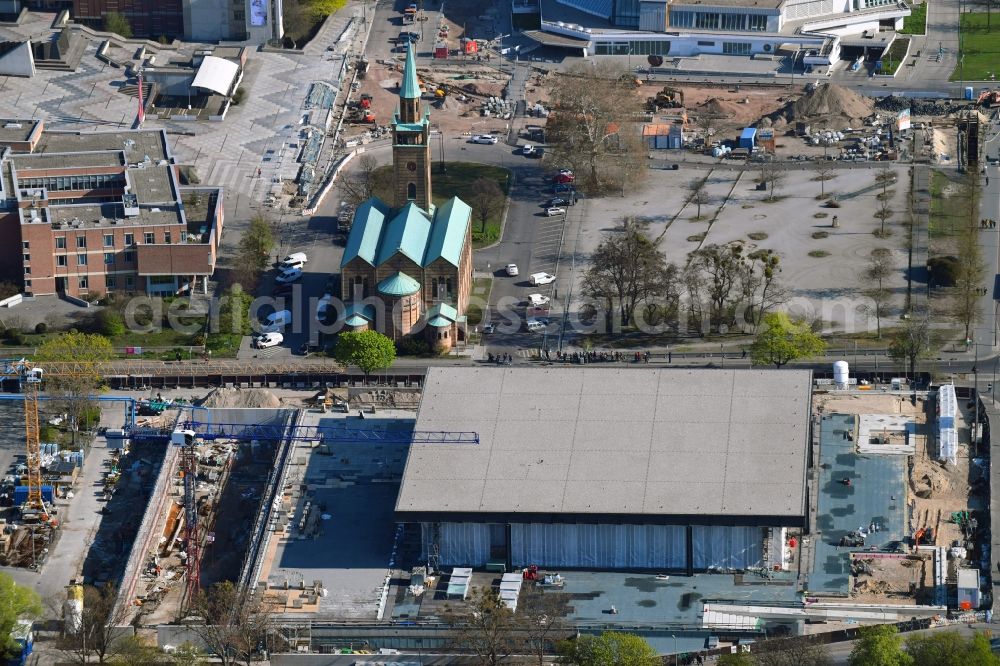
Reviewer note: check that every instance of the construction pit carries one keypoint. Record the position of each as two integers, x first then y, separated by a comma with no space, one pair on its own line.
889,511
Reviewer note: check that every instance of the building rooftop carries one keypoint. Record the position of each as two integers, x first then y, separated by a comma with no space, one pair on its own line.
16,129
137,144
106,159
153,185
603,444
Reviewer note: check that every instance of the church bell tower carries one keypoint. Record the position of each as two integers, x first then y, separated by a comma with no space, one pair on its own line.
411,148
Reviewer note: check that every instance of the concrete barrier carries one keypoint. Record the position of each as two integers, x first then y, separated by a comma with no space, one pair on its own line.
75,301
12,301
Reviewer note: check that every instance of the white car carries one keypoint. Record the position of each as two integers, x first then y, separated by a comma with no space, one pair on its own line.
538,279
537,300
535,325
511,270
291,275
528,149
484,138
294,260
265,340
555,210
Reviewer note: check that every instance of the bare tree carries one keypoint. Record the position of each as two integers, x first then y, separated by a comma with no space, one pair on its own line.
99,626
541,618
485,626
772,177
873,278
759,288
970,275
824,171
597,112
626,269
911,343
233,622
698,193
721,266
487,201
360,184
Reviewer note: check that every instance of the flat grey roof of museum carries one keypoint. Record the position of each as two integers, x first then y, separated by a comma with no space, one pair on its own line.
611,441
137,144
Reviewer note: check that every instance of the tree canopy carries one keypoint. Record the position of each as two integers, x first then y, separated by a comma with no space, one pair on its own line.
368,350
950,648
879,645
911,342
117,23
254,251
611,648
626,269
16,603
783,339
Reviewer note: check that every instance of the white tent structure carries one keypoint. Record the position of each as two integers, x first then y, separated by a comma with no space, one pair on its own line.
947,409
216,75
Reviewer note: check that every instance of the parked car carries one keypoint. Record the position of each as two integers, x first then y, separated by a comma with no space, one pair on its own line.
527,149
537,300
484,138
265,340
276,321
538,279
556,201
555,210
535,325
511,270
488,328
294,260
291,275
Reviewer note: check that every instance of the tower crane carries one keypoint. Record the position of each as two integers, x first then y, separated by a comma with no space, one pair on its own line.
30,378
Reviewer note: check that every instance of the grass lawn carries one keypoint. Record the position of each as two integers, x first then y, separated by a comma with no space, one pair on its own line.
916,22
456,181
894,58
981,48
947,217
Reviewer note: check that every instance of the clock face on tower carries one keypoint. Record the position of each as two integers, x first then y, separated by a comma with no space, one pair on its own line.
411,166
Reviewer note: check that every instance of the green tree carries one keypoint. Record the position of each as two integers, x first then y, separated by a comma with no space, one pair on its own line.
111,323
611,648
879,645
911,342
950,648
784,339
117,23
73,363
369,350
254,251
16,603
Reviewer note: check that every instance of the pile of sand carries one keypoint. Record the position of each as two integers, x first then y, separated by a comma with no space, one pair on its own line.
720,108
234,397
828,102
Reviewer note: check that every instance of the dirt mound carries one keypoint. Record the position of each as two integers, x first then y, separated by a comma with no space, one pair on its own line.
233,397
720,108
828,102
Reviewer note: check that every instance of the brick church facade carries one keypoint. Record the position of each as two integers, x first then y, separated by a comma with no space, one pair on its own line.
407,267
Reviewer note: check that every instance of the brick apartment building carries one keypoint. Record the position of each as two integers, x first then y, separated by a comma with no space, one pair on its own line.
85,213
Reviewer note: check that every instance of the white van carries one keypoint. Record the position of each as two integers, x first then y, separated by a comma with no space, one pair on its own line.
294,260
276,321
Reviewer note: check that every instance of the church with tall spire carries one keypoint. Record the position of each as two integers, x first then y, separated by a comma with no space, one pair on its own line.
407,266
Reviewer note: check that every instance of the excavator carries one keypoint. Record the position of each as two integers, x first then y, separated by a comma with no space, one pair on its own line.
989,98
667,98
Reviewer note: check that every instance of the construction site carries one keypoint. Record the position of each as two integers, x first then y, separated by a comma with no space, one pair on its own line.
902,513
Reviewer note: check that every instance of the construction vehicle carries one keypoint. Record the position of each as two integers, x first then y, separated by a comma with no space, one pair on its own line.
667,98
410,13
989,98
365,101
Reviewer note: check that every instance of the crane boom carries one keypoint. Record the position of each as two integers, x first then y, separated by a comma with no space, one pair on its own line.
32,444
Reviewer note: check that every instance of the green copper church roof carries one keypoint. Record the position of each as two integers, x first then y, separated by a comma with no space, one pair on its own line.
398,284
406,233
451,224
441,314
363,239
410,88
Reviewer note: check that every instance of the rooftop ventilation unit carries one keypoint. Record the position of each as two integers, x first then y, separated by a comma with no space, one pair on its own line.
130,202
